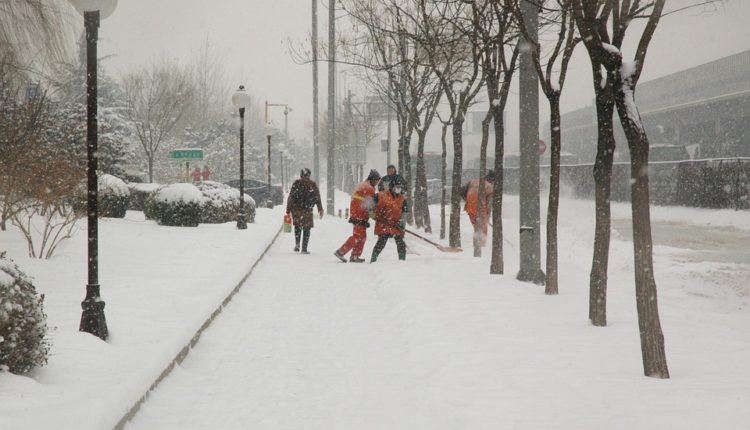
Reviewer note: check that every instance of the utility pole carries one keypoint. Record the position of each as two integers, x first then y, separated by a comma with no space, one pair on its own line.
316,147
529,242
331,176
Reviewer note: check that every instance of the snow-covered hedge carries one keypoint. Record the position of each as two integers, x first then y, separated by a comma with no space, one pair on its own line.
175,205
113,197
139,194
23,323
221,203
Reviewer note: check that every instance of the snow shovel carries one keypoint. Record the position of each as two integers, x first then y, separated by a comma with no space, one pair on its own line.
435,244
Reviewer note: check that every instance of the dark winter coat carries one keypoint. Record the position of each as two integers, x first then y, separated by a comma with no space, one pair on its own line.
388,181
303,197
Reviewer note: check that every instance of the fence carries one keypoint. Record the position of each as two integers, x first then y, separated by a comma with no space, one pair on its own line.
708,183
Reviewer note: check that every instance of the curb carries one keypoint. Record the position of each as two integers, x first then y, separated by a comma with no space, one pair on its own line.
193,341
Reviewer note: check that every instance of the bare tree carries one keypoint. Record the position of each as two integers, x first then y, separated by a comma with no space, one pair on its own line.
592,21
19,122
33,33
391,51
158,96
496,36
443,168
591,17
39,170
557,17
455,57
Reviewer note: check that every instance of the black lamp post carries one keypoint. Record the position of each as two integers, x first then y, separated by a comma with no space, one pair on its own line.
241,100
281,166
269,131
92,317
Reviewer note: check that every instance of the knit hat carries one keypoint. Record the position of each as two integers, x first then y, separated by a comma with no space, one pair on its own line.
373,176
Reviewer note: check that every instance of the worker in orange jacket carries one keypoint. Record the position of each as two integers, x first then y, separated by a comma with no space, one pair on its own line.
359,214
470,193
390,219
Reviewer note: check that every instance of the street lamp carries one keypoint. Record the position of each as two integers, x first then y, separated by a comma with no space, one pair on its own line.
269,130
287,109
282,150
92,317
288,175
241,100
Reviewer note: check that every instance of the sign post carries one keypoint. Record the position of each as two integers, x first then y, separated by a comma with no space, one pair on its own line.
186,154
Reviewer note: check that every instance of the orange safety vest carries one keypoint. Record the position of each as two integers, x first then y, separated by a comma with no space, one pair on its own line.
472,197
388,213
361,201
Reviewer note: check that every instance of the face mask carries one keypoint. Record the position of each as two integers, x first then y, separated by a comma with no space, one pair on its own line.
397,190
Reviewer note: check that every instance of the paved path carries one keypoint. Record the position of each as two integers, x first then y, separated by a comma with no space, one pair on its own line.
308,338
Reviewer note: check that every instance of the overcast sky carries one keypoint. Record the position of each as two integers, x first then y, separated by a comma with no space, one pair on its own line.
250,35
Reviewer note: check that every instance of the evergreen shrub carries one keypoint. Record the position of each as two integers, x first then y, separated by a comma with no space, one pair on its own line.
221,203
175,205
139,194
23,323
113,197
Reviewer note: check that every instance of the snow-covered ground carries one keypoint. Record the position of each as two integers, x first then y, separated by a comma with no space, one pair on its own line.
431,343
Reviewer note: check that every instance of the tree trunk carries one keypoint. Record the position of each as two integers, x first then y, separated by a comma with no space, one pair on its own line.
652,338
150,161
454,233
478,233
443,179
551,284
603,184
496,262
421,204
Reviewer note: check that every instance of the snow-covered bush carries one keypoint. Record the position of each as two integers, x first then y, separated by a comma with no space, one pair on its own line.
221,203
139,193
23,323
113,197
175,205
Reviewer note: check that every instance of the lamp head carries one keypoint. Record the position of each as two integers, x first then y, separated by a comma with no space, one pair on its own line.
105,7
241,99
269,130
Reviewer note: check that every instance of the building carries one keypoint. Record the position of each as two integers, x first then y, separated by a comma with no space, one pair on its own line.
706,109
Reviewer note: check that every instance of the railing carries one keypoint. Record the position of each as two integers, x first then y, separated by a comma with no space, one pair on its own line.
708,183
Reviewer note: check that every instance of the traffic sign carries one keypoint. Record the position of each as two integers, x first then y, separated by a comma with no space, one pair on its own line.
186,154
542,147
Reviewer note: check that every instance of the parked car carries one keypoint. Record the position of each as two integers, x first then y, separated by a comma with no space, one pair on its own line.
258,190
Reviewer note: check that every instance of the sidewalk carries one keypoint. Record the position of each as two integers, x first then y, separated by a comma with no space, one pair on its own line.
160,284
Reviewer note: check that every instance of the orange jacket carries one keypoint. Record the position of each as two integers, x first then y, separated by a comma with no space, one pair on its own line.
388,211
362,202
472,197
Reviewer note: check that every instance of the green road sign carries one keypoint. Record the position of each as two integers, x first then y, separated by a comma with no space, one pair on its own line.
186,154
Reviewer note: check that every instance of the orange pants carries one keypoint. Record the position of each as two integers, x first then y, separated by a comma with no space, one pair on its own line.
485,223
356,242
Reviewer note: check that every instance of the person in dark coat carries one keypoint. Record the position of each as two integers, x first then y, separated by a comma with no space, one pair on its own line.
303,197
391,179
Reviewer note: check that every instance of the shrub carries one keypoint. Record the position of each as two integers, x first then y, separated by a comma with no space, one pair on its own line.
221,203
23,323
175,205
113,197
139,194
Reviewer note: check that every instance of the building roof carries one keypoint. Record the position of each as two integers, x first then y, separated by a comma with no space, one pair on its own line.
720,79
